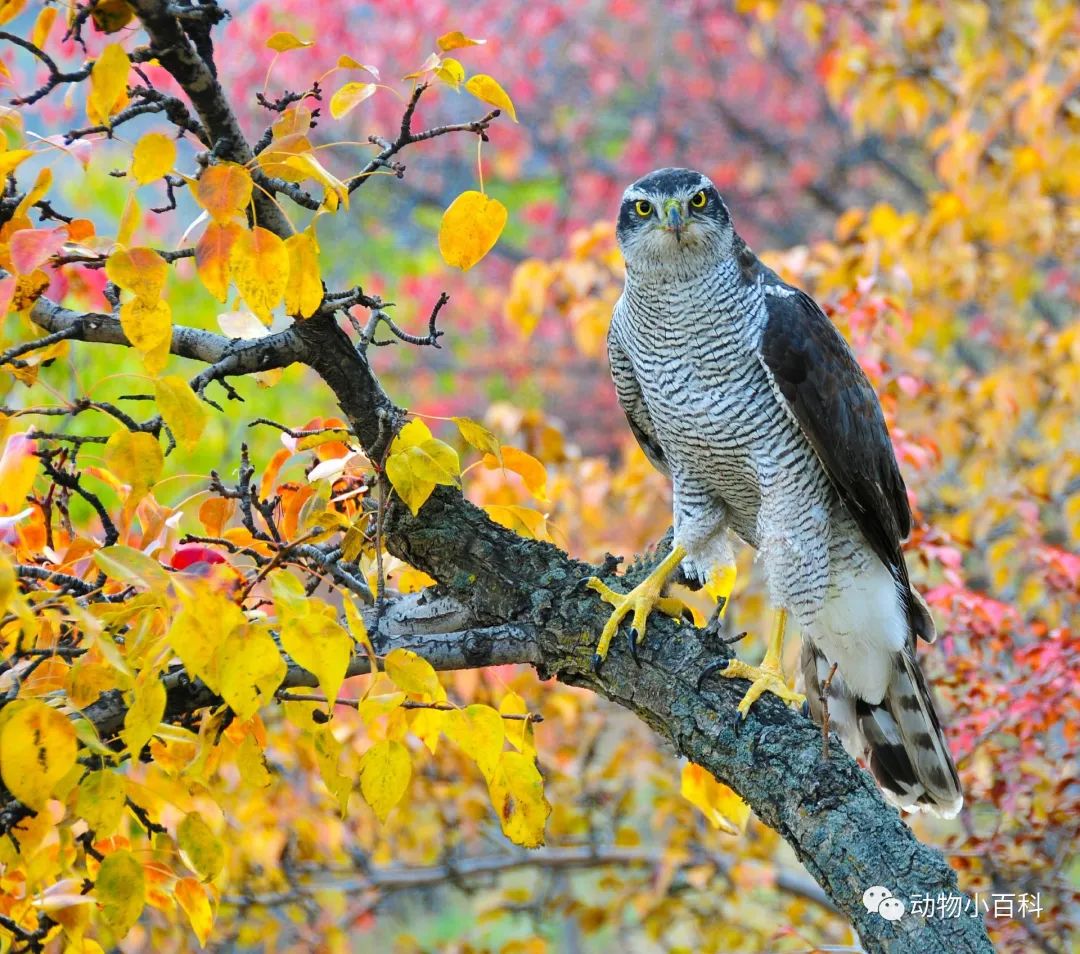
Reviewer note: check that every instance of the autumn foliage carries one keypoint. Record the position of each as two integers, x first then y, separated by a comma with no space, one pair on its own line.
200,744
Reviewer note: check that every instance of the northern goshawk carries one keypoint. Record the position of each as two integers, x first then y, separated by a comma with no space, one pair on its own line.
739,387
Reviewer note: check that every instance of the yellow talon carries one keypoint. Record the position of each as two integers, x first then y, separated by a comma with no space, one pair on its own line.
641,600
769,676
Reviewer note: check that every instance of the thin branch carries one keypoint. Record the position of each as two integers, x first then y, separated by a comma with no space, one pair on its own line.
406,137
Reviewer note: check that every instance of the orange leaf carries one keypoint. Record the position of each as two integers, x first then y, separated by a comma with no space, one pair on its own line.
213,253
224,190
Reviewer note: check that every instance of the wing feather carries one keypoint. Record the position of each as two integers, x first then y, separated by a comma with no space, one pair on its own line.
815,372
633,405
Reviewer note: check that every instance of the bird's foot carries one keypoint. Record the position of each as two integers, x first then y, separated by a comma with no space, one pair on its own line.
768,677
640,601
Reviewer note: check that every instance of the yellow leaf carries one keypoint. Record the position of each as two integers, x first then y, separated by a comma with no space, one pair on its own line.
413,673
100,802
129,220
524,521
200,849
199,629
153,156
145,713
470,228
385,770
10,9
138,270
484,88
108,84
417,462
479,732
260,269
135,458
213,253
18,468
128,565
722,807
525,466
373,706
431,63
303,293
451,72
224,190
7,583
328,755
427,726
42,26
518,731
321,646
528,294
251,762
410,487
282,41
455,40
249,670
517,794
111,15
148,325
351,95
478,436
41,185
194,899
37,749
181,410
120,889
10,160
346,62
358,630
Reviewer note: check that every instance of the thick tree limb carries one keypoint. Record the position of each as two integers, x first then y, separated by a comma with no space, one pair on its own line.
512,600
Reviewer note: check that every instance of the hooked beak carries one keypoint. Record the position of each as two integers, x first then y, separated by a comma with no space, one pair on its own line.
673,218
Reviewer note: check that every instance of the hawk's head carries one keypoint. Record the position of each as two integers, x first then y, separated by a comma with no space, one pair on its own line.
673,219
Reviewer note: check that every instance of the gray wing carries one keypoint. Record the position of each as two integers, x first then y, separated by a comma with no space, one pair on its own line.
633,405
816,373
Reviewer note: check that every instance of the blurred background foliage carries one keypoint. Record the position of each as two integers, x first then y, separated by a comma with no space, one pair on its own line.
916,167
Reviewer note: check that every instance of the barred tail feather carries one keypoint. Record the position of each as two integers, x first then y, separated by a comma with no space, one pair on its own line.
899,738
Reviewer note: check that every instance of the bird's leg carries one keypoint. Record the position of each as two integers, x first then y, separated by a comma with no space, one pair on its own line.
769,676
642,600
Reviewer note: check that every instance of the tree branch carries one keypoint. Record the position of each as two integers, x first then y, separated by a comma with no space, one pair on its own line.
390,878
178,55
511,600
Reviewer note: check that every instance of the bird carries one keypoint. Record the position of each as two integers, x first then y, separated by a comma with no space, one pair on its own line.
739,388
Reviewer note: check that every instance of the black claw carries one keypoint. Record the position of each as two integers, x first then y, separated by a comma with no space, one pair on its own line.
597,659
582,583
710,670
737,720
805,708
687,615
632,643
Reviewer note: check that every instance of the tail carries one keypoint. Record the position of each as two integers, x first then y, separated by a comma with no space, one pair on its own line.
900,738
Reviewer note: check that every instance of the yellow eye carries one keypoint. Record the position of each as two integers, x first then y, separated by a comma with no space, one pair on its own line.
643,208
699,200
